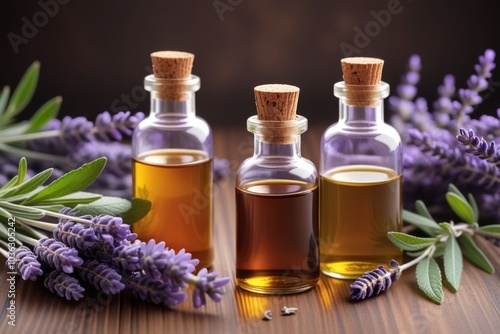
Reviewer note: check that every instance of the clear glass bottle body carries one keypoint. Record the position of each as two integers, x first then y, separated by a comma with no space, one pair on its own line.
360,187
173,168
277,212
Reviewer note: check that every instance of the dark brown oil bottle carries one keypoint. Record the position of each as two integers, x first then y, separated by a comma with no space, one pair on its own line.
277,201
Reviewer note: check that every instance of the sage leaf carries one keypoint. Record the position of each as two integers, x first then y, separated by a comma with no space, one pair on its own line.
23,93
4,98
11,183
140,208
44,114
409,242
22,169
71,200
113,206
22,211
421,209
474,254
427,225
475,208
73,181
491,229
452,258
453,189
461,207
429,279
28,186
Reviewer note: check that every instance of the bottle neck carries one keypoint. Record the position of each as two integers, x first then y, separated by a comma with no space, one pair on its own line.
361,105
162,108
263,148
357,114
277,138
172,98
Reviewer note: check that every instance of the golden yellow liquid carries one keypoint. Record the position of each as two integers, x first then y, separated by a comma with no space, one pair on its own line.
358,206
179,185
277,236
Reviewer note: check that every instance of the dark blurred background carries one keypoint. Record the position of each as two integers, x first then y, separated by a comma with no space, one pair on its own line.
95,54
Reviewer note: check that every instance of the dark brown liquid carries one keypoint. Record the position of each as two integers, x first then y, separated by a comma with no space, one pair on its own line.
358,206
277,236
179,185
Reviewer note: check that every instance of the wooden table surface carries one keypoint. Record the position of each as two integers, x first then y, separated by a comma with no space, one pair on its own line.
325,309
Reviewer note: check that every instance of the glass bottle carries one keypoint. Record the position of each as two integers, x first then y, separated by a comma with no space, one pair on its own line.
173,161
277,202
360,176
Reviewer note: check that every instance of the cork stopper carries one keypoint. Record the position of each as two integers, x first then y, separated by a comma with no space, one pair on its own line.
172,65
360,75
277,103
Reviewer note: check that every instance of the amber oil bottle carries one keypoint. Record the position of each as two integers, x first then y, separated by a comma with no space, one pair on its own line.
172,160
277,200
360,176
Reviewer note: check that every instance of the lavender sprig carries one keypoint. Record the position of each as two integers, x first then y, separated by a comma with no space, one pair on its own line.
26,264
112,229
64,285
479,147
207,283
57,255
375,281
153,290
75,234
101,276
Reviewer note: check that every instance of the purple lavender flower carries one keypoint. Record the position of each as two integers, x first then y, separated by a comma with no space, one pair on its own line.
101,276
479,147
57,254
375,281
153,290
75,234
112,229
112,128
127,256
64,285
206,283
493,239
26,264
75,130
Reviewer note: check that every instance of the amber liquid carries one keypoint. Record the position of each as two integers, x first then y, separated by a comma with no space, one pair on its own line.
277,236
179,185
358,206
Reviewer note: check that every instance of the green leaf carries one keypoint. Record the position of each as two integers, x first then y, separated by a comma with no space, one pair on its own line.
429,279
140,208
453,262
23,167
453,189
70,182
11,183
474,254
22,211
473,204
113,206
24,92
461,207
409,242
491,229
28,186
4,98
425,224
421,209
71,200
44,114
